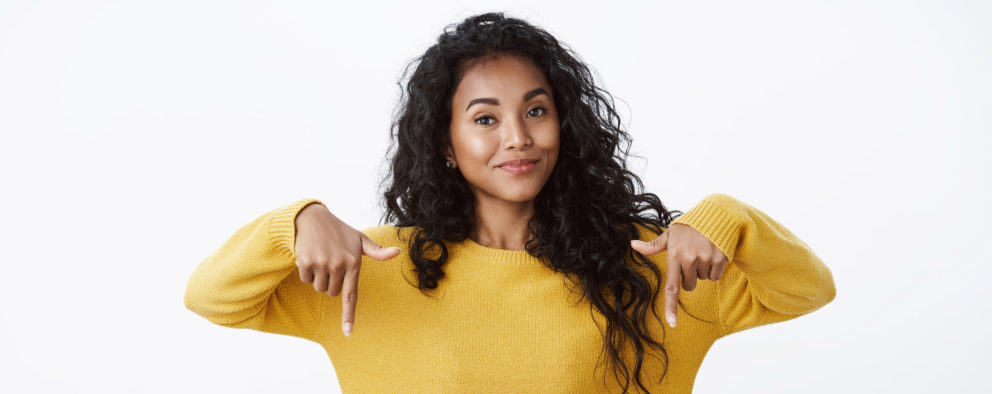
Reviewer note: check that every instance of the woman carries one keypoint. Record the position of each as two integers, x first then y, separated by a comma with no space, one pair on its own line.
530,258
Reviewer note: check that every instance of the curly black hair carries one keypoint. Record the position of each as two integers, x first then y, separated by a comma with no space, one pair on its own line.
589,204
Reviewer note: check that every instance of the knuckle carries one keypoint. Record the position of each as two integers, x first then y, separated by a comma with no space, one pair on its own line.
351,297
339,267
352,262
315,262
672,287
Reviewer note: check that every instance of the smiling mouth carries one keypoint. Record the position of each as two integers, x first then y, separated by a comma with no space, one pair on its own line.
518,168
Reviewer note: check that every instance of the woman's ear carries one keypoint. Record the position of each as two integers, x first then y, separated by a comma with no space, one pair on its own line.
449,155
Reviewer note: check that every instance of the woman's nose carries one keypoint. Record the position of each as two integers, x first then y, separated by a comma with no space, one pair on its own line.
516,135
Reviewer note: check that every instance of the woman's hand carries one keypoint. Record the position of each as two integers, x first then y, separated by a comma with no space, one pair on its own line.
690,255
329,255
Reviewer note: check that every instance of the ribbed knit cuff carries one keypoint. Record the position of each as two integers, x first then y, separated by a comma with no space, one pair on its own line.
282,226
716,219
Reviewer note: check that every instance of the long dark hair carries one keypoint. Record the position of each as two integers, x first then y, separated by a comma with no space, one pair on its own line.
585,213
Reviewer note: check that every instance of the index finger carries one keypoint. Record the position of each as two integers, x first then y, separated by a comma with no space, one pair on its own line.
349,298
672,283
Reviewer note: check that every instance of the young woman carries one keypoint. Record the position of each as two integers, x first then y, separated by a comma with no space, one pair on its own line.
518,255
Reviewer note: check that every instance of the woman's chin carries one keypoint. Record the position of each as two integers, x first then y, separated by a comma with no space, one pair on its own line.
520,196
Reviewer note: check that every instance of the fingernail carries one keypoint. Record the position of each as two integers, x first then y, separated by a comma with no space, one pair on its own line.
346,327
671,320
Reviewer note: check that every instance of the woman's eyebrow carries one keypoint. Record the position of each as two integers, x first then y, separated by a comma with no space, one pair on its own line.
489,100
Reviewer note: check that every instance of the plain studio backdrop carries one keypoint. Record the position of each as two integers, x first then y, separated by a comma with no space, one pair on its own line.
136,137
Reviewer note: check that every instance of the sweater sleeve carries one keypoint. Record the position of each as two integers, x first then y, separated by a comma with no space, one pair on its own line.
252,280
771,275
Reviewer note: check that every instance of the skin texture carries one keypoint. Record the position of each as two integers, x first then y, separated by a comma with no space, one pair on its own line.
485,134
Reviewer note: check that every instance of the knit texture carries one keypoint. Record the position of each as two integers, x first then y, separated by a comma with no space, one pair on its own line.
500,320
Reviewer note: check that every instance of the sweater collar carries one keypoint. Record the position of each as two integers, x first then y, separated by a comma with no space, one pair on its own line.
477,252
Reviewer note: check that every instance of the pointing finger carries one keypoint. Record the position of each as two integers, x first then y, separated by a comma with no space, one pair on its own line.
672,283
349,298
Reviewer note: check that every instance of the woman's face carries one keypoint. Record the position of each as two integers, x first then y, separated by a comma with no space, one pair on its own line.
503,110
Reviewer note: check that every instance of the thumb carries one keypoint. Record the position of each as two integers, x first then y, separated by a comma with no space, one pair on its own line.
652,247
376,251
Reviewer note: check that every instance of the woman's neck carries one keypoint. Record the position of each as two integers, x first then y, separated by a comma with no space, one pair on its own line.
501,224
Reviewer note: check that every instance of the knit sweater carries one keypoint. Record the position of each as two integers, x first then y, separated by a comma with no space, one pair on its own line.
500,320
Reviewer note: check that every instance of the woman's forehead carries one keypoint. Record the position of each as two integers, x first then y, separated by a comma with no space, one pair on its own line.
506,76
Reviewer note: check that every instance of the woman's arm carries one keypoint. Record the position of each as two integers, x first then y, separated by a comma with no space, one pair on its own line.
772,275
252,280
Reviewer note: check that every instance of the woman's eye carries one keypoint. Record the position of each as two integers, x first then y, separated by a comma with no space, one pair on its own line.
490,118
539,108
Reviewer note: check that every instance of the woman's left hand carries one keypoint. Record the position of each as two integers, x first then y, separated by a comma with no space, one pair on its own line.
690,255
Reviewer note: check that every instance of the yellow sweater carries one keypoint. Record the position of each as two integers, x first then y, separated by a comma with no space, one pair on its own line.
501,321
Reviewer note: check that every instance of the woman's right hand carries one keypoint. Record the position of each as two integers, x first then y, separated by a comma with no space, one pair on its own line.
329,255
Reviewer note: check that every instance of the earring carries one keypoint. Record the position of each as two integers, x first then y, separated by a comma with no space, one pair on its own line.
447,163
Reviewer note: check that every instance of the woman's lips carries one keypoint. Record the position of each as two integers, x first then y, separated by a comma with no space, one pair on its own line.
517,169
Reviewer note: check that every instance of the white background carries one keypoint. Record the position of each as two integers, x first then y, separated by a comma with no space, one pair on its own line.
136,137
